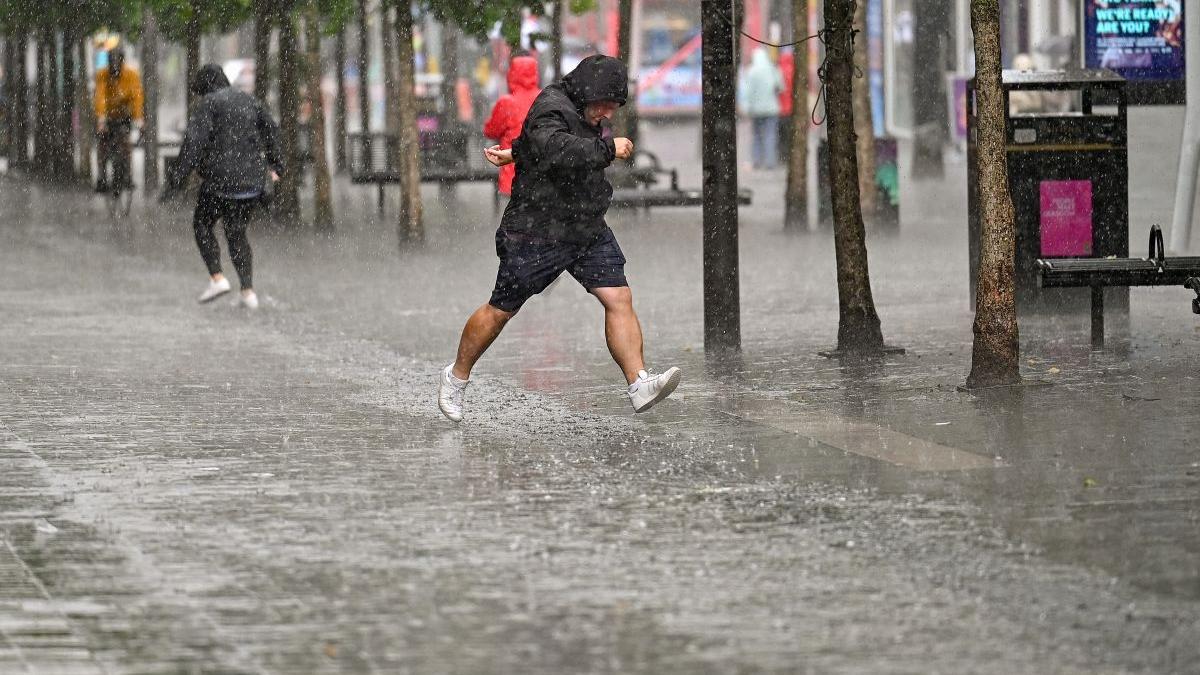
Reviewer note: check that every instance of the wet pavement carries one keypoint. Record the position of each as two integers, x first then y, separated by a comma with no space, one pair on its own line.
198,489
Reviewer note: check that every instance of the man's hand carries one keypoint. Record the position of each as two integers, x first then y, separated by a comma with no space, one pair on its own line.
498,157
624,147
101,124
274,177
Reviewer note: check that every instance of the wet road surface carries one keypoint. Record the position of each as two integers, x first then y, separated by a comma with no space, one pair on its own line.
195,489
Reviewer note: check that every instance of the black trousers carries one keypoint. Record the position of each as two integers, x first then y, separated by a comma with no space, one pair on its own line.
113,145
234,215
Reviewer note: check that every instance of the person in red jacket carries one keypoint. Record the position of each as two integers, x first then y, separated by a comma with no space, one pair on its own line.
509,114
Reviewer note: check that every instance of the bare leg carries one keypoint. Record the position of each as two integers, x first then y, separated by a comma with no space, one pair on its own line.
621,329
481,330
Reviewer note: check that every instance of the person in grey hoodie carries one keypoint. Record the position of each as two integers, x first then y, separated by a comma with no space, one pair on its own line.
760,87
231,141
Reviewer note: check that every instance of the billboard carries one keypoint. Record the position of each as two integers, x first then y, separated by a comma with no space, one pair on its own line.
1142,40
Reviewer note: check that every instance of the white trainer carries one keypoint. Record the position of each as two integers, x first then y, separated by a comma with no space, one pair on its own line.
451,392
248,300
649,389
215,290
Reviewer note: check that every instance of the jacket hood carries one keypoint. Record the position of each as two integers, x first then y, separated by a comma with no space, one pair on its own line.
209,78
522,74
598,78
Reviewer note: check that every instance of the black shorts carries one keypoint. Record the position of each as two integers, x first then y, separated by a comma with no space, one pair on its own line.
529,263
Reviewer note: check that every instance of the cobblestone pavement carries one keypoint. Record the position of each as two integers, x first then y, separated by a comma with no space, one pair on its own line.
197,489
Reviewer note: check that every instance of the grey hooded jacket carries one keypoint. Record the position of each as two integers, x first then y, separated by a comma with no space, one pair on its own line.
230,140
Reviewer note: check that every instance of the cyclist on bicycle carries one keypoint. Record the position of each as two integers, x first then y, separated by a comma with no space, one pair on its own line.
118,106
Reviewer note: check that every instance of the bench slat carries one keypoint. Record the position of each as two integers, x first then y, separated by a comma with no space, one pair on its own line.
664,197
1076,272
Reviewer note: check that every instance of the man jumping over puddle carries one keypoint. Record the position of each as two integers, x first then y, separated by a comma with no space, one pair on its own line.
555,223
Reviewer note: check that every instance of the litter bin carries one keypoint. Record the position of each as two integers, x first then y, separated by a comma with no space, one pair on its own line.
1068,173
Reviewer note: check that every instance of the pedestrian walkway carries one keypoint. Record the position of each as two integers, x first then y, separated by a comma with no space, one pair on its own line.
198,488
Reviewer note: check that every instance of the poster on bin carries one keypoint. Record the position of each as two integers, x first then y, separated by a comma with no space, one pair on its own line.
1066,218
1142,40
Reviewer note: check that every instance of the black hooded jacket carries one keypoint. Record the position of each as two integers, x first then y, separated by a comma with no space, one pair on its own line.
230,139
560,191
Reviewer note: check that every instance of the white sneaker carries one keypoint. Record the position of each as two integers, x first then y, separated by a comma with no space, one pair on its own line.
649,389
215,290
451,392
248,300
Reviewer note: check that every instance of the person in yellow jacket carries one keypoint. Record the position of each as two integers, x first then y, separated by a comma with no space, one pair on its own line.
118,104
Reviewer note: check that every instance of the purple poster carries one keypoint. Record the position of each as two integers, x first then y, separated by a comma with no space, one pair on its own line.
1066,222
956,90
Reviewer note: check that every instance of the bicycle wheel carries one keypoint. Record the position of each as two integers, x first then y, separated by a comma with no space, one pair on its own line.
119,196
120,202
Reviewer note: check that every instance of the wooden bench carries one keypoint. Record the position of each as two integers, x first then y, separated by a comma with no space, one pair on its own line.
646,169
1097,273
447,157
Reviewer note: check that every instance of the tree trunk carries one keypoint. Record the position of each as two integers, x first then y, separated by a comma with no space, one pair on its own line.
858,323
391,111
364,65
449,91
864,126
54,139
624,30
287,194
410,227
625,121
38,166
722,301
322,190
48,105
43,150
263,11
795,211
339,108
66,109
192,59
556,29
14,85
87,114
151,86
930,26
19,143
737,13
10,78
995,358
